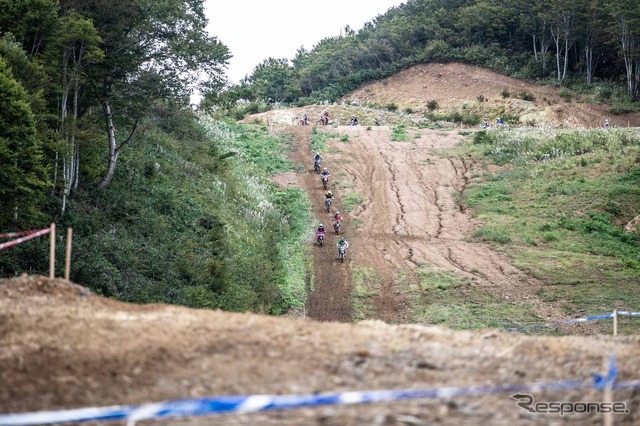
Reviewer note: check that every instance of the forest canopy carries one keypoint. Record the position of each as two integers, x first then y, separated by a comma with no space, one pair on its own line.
557,41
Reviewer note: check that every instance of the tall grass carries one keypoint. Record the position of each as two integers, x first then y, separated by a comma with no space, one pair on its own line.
196,222
560,205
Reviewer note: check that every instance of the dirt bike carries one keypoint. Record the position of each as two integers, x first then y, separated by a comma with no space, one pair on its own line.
324,121
336,226
303,122
342,253
317,164
325,180
320,238
327,204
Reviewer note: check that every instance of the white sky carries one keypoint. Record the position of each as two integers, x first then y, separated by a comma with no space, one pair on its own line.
255,30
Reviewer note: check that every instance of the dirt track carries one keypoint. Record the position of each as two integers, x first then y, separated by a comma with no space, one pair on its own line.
411,218
330,300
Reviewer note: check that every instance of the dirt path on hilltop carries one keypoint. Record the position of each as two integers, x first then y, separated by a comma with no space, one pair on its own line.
330,299
411,218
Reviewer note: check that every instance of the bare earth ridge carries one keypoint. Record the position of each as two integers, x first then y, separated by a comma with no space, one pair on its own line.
63,347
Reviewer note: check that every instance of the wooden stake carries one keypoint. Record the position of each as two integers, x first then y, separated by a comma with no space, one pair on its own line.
67,262
52,252
615,322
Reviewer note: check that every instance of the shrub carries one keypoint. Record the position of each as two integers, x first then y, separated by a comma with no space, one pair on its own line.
471,119
437,50
483,137
481,98
565,94
526,96
399,133
432,105
392,107
619,108
505,93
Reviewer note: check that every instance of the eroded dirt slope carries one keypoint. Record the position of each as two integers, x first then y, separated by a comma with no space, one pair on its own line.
412,218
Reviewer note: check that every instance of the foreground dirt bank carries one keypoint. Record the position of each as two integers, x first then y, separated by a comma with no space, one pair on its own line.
63,347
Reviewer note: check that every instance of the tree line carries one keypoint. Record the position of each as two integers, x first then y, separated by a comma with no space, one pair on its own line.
97,133
74,74
561,41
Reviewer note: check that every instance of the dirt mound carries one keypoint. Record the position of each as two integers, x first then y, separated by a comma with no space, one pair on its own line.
461,88
64,347
466,88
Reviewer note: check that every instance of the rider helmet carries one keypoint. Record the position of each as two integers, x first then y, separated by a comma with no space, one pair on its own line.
324,168
337,213
320,226
342,239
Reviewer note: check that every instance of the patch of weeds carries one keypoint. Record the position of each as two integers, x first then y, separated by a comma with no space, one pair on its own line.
352,200
366,285
619,108
442,297
547,237
565,94
344,138
399,133
497,235
526,96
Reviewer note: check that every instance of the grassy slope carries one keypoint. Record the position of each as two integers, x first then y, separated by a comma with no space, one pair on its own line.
194,220
559,208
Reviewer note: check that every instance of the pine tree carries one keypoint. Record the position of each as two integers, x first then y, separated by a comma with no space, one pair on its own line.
23,179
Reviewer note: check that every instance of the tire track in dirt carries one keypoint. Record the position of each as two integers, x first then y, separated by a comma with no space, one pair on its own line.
330,299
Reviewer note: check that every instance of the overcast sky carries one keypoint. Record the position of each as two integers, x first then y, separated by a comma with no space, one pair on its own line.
255,30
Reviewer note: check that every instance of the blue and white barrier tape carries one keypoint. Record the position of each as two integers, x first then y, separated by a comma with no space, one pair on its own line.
576,320
256,403
628,314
